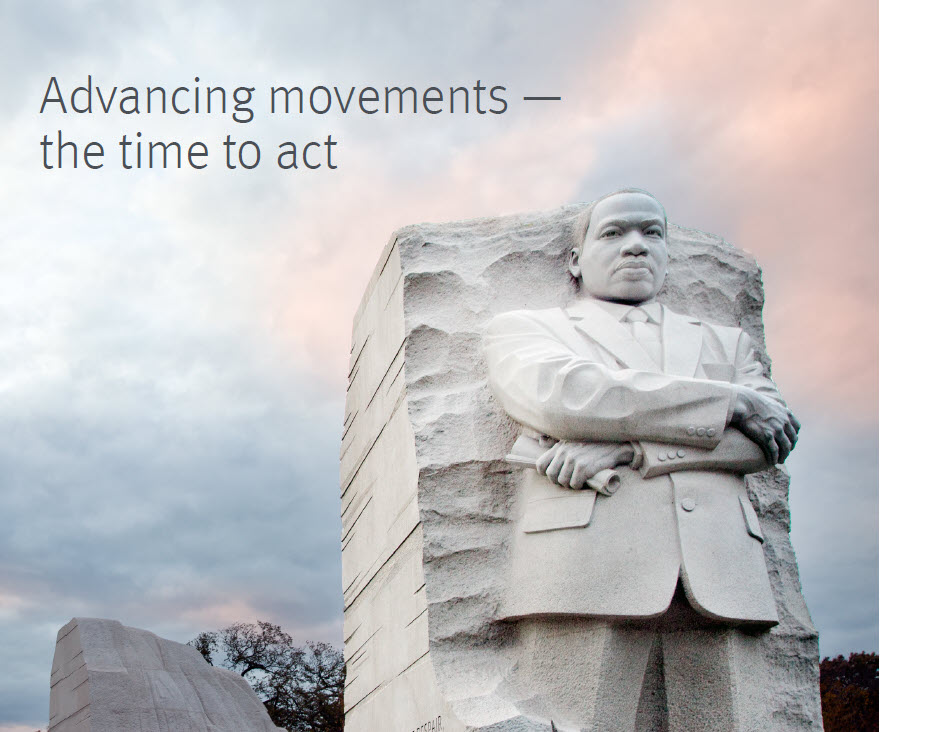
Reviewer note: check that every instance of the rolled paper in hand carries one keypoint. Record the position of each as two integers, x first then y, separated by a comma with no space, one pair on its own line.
526,451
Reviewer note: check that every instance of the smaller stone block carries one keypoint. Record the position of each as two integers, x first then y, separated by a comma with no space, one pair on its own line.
107,677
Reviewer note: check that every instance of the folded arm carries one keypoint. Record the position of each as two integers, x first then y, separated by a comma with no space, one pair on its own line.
758,410
734,454
572,463
743,426
545,385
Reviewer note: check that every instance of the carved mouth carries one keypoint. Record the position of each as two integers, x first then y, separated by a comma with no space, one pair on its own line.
633,264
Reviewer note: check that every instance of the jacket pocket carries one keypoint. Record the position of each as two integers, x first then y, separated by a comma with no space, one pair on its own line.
572,511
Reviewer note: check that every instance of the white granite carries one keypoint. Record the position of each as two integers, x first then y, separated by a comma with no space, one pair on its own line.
390,683
431,508
107,677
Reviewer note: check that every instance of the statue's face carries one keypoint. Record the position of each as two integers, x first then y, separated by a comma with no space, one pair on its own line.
623,257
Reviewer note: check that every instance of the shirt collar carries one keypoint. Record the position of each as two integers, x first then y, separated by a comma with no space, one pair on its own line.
653,309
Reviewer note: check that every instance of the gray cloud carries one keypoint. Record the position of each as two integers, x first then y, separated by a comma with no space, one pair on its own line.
120,501
834,529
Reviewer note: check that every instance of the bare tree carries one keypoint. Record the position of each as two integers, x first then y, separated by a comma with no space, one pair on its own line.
301,687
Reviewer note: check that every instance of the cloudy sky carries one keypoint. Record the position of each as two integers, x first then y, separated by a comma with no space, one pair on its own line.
173,344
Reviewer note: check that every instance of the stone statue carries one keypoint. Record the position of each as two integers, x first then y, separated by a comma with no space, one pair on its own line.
638,601
550,518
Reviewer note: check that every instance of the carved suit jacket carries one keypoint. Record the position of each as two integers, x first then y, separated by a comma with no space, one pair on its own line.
682,512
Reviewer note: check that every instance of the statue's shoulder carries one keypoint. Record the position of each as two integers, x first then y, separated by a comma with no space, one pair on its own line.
727,338
545,317
724,330
731,333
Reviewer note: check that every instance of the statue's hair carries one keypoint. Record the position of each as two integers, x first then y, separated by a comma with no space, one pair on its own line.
583,222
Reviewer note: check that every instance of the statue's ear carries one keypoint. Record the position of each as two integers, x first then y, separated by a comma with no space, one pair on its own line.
574,263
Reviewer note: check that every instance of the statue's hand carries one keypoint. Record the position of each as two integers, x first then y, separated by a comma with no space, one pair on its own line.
766,422
571,464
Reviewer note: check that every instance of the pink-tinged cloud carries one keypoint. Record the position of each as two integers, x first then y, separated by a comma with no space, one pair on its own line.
340,239
237,610
219,614
767,124
10,603
782,135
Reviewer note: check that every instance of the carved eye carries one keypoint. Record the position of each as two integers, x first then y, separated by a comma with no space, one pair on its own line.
610,233
654,231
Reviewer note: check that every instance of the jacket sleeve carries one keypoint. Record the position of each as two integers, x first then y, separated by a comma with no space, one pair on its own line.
734,454
749,371
547,386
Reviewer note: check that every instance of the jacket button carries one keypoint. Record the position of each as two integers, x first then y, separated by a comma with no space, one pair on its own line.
700,431
710,432
672,454
680,453
691,430
662,456
688,504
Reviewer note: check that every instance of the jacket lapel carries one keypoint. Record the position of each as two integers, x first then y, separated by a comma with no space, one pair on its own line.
682,343
611,335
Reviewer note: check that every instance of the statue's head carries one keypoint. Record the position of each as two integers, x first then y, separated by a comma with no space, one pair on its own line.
622,252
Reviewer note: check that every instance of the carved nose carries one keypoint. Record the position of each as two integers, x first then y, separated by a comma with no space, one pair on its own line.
635,244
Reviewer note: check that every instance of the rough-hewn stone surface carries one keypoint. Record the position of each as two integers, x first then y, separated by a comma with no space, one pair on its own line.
428,501
107,677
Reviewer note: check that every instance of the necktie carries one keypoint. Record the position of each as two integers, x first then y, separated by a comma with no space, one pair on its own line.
644,333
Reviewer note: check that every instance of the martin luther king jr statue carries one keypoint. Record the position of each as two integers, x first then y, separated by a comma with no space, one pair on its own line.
638,600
